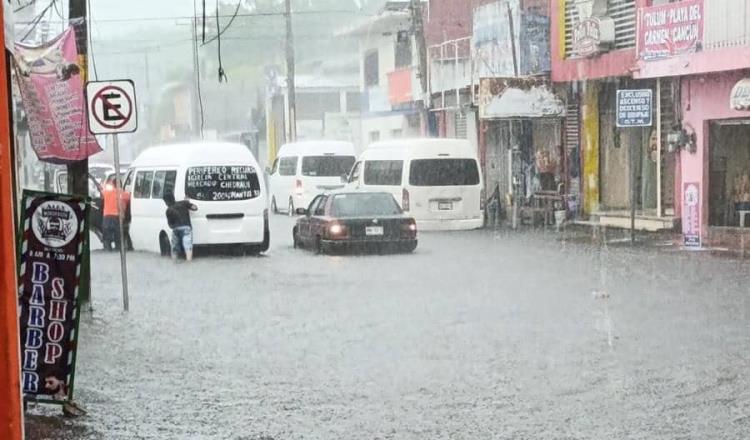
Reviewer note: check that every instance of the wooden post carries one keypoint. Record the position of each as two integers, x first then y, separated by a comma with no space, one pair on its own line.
11,416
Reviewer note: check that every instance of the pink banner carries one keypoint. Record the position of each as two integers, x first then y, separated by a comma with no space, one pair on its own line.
669,30
51,86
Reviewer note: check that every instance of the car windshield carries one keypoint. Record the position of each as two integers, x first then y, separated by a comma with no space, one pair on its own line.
326,166
364,204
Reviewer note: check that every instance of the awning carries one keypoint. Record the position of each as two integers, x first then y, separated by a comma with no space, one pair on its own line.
518,98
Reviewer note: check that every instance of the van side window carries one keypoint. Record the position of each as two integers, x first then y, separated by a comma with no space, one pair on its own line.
157,191
275,166
383,172
288,166
143,181
129,181
356,172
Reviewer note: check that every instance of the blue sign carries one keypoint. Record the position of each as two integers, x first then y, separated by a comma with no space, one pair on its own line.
635,108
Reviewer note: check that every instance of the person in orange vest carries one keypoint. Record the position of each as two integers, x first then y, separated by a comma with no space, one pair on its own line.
111,222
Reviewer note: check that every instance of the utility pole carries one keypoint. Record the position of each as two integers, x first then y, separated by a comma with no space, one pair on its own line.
78,172
290,73
417,27
11,416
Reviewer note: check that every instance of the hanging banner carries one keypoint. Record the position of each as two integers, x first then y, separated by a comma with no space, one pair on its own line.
54,231
49,78
669,30
691,215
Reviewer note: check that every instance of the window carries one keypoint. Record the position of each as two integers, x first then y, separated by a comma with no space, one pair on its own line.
143,182
356,172
164,181
222,183
288,166
313,205
383,172
353,102
321,208
403,49
372,68
364,204
129,180
444,172
374,136
397,133
326,166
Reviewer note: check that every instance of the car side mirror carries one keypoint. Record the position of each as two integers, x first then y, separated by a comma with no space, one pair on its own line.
303,211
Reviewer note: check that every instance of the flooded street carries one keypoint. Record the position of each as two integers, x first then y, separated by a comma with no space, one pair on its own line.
477,335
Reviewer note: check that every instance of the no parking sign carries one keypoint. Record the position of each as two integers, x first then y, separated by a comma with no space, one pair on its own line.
111,107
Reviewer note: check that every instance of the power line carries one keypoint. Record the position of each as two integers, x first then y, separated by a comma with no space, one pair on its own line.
37,19
221,32
91,41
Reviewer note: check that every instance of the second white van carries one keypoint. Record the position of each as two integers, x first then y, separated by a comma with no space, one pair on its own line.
437,181
302,170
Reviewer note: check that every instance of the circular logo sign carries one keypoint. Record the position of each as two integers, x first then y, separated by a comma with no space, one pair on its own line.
54,224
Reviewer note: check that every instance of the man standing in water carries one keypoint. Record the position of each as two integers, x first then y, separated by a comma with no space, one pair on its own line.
178,218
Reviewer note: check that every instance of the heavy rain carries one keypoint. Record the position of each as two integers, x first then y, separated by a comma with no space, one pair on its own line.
375,219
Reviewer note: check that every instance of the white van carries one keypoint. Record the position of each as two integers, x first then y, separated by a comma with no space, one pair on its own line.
303,170
437,181
221,179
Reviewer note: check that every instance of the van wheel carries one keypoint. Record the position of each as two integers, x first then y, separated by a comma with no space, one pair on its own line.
295,239
165,247
274,208
290,208
266,240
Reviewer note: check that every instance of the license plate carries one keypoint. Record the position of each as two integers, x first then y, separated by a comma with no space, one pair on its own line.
374,230
445,206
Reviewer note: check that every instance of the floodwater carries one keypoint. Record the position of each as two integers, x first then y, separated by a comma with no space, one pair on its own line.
477,335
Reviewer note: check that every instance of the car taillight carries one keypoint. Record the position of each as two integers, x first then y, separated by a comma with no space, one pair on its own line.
482,200
405,199
299,186
409,226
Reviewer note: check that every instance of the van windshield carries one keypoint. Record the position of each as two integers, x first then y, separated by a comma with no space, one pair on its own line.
222,183
444,172
326,166
383,172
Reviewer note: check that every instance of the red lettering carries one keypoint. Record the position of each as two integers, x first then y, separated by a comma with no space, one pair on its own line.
55,332
58,288
52,353
57,310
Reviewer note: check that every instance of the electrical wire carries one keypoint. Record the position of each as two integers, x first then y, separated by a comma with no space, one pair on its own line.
37,19
222,74
197,66
21,8
221,32
90,39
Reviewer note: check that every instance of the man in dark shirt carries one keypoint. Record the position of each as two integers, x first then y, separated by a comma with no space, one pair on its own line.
178,218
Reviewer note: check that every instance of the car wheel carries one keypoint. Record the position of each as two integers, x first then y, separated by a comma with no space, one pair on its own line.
266,240
290,208
165,247
274,208
295,239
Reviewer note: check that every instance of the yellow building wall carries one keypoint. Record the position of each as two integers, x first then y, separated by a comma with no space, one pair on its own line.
590,147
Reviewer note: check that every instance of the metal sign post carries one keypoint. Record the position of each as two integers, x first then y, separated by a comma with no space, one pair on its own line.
634,109
111,110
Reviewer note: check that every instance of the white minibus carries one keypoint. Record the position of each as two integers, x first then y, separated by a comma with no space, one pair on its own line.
221,179
437,181
302,170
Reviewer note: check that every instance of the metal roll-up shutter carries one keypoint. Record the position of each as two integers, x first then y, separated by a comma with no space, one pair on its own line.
623,12
461,130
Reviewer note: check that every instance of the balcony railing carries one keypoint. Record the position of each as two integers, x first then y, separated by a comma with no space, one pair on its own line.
727,24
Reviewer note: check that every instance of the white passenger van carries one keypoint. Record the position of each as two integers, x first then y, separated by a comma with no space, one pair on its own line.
303,170
221,179
437,181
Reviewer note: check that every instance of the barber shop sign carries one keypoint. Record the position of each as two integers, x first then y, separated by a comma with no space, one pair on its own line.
53,234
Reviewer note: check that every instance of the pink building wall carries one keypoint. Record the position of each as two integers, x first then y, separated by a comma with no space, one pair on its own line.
704,98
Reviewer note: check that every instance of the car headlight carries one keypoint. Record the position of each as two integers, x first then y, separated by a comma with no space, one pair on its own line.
336,229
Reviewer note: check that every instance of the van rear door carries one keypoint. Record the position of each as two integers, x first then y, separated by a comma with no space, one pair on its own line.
444,188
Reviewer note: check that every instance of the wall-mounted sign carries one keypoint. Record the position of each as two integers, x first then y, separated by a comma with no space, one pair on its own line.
508,98
740,97
669,30
691,215
635,108
593,35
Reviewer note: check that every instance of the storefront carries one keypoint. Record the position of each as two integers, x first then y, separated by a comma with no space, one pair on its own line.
522,147
715,157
